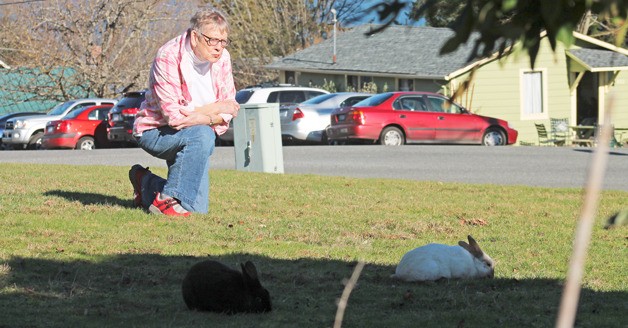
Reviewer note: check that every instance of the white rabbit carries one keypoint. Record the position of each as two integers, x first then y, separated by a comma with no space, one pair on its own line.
436,261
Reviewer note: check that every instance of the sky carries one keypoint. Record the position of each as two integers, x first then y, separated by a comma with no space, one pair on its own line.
373,16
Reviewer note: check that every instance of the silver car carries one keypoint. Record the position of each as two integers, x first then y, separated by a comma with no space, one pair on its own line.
308,120
284,94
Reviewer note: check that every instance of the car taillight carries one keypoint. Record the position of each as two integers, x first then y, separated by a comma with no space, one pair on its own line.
61,126
130,111
297,114
357,116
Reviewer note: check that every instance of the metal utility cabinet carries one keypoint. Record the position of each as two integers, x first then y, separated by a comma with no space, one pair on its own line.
257,138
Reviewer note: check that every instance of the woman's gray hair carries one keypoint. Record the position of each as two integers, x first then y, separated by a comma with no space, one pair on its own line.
210,16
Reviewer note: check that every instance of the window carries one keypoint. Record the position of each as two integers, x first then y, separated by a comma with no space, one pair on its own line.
374,100
352,101
443,105
291,97
406,85
318,99
290,77
411,103
533,95
352,82
358,83
243,96
102,114
93,115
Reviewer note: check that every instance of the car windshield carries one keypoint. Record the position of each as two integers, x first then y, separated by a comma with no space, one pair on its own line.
130,101
75,113
374,100
243,96
60,108
318,99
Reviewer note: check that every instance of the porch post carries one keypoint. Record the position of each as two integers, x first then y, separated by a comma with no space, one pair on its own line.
573,93
601,95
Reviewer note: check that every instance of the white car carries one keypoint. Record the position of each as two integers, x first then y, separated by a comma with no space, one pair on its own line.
283,94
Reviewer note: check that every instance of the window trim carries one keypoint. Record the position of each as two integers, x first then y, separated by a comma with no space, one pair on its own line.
544,115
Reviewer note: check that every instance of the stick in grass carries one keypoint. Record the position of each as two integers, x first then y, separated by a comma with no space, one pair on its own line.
571,292
342,304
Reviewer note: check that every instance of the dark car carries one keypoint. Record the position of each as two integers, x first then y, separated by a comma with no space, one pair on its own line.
122,117
397,118
83,129
5,117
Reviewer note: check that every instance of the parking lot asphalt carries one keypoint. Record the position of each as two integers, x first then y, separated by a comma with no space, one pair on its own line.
530,166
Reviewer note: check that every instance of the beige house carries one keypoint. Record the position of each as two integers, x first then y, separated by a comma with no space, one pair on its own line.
575,84
578,83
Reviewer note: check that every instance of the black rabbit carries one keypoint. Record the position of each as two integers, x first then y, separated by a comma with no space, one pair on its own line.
213,286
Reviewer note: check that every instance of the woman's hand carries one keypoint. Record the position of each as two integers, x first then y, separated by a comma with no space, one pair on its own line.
228,106
191,118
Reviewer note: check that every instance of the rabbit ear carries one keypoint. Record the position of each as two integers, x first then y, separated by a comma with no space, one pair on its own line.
250,274
472,247
476,248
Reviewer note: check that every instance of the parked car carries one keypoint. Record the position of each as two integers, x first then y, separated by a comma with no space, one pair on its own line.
308,120
27,131
397,118
261,94
122,117
5,117
84,129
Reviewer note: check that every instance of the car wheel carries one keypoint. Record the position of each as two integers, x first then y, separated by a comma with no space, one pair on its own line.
35,141
325,139
392,136
86,143
493,137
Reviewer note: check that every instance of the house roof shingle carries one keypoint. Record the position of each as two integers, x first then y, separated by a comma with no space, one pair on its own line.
397,50
600,59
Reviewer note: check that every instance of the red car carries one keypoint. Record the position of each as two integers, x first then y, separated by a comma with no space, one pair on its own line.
81,129
397,118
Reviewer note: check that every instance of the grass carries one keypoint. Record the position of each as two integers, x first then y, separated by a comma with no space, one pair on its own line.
73,252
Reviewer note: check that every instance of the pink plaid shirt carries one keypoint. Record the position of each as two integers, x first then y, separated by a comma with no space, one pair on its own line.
168,93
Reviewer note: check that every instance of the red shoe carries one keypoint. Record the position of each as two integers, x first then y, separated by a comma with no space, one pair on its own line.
136,173
167,206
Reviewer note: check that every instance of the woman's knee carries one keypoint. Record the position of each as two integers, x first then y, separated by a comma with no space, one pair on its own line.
202,135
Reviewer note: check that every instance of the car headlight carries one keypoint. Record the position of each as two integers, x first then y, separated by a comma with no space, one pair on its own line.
20,124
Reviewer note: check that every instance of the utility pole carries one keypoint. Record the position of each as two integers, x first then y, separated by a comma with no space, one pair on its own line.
333,11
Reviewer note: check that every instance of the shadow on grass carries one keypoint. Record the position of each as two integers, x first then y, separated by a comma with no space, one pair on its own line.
144,290
88,198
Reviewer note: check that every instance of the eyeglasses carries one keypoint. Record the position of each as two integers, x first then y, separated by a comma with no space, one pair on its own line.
214,41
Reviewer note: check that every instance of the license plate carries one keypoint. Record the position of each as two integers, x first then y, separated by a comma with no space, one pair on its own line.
342,117
116,117
344,130
50,129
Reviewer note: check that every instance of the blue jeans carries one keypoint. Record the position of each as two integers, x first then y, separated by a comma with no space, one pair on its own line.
187,153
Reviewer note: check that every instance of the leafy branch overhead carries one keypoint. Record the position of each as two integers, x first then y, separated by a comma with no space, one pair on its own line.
500,23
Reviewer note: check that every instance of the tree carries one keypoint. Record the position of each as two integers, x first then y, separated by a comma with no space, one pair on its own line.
84,48
72,49
501,23
264,30
442,13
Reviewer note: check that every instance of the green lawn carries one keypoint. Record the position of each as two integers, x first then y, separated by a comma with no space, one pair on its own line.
74,253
